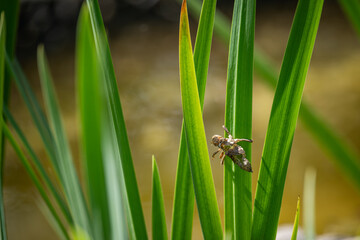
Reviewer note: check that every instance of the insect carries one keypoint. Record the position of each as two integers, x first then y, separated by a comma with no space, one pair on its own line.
229,147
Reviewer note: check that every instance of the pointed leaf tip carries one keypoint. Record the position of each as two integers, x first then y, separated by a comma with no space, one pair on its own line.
183,6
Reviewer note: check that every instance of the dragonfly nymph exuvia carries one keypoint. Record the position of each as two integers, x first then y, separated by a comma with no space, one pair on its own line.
230,147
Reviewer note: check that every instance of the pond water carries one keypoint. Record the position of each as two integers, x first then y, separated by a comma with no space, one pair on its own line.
145,56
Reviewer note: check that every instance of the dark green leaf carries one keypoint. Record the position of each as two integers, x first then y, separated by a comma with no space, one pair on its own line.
238,118
352,10
158,209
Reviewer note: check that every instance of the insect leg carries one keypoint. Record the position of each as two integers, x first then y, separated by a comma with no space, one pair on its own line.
227,131
243,140
222,157
215,153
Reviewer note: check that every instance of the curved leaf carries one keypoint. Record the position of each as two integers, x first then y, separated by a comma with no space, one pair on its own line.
283,119
136,220
195,136
70,181
184,192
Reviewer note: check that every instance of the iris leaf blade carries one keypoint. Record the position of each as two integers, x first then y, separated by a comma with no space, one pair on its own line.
136,219
158,209
296,221
283,117
195,136
184,191
238,118
70,181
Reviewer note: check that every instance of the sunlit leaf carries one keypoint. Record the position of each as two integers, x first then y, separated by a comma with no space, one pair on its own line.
283,117
238,118
184,191
195,136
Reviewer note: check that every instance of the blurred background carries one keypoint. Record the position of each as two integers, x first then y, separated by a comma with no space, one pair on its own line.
143,37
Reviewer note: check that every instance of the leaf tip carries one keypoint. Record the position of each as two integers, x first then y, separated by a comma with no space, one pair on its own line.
183,12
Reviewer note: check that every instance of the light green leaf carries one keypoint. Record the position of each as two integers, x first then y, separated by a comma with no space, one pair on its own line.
89,94
184,191
158,209
195,136
109,84
340,151
296,221
238,118
69,179
283,119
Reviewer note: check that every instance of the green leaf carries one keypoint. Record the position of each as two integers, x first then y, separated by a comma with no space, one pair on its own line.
184,191
352,11
195,136
11,9
35,110
109,83
34,178
68,175
38,166
296,221
309,203
283,119
2,75
238,118
340,151
90,111
158,208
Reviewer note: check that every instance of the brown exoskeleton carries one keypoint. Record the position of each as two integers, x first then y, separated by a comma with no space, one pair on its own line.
229,147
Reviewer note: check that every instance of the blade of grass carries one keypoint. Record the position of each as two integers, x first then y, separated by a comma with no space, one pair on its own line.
184,191
69,178
11,9
238,118
2,75
296,221
195,136
309,203
158,208
114,183
283,119
336,145
352,11
38,166
34,178
34,108
89,103
137,221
